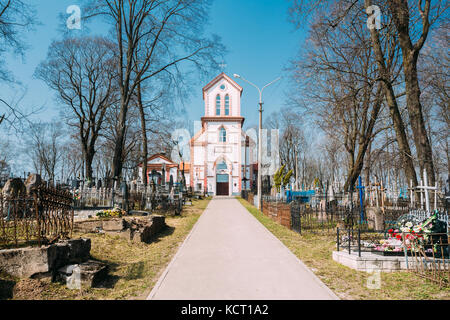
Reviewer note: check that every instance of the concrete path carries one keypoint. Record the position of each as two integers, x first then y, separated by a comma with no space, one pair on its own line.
229,255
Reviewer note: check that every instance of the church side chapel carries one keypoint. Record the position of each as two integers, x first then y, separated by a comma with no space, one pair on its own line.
159,165
221,153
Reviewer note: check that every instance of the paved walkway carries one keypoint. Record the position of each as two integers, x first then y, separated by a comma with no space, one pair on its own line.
231,255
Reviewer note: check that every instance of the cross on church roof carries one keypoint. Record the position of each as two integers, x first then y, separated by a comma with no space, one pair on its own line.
222,66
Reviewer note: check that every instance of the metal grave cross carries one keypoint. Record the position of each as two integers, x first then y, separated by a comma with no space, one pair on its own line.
361,188
424,188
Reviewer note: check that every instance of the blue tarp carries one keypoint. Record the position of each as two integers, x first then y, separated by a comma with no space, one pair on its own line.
303,196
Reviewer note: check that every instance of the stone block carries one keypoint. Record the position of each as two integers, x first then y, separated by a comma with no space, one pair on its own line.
138,213
36,261
79,250
360,265
72,251
125,234
87,274
391,265
26,262
375,217
372,265
33,181
116,224
87,226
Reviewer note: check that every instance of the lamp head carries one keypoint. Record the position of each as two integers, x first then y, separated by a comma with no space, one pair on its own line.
236,75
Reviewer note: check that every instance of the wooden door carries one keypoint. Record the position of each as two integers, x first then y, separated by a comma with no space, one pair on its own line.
222,188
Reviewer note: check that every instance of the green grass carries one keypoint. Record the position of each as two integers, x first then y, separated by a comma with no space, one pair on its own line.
134,267
315,250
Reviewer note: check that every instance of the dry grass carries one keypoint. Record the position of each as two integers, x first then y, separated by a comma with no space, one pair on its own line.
134,267
315,250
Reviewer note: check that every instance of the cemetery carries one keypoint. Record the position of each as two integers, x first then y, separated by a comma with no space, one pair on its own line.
374,229
47,233
138,160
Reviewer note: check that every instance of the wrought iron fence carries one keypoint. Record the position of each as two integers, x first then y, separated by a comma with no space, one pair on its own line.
137,198
323,216
426,255
94,198
43,217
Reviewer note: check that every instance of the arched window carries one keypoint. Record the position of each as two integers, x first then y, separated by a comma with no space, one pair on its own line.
227,105
218,105
222,135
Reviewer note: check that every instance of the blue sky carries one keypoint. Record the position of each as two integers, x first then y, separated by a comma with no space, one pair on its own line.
260,41
257,34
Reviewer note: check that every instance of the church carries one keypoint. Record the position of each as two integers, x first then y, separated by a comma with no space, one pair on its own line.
221,153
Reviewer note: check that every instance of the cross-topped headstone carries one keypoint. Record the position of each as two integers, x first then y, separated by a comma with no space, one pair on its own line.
222,66
424,188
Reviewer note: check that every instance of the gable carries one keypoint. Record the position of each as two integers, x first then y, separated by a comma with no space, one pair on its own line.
221,77
159,159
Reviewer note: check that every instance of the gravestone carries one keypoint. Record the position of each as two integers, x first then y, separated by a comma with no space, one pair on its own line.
375,218
33,181
14,188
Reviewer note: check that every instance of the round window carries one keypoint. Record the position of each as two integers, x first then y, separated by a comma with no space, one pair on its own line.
222,87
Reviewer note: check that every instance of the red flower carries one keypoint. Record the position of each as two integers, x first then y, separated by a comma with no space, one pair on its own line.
399,236
390,231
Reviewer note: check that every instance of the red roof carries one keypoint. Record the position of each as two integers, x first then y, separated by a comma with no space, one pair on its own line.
158,155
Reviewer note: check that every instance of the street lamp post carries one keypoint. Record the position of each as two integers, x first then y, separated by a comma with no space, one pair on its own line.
259,135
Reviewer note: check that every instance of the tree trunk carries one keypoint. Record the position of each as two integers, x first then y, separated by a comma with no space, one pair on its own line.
89,160
391,101
144,135
117,164
368,163
423,146
410,53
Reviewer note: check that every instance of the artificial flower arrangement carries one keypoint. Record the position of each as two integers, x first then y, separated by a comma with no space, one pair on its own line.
410,234
114,213
76,196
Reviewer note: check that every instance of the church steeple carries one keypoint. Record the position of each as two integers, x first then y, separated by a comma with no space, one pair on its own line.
222,97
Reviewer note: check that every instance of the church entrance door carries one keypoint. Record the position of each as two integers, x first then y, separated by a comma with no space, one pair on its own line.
222,187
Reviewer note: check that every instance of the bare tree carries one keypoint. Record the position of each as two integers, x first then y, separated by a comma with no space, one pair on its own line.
153,36
16,16
387,78
154,113
401,15
82,72
342,89
12,115
44,148
405,27
434,64
292,140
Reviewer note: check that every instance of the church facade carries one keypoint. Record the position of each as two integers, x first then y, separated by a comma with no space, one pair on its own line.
221,153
